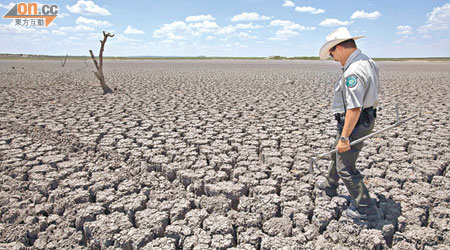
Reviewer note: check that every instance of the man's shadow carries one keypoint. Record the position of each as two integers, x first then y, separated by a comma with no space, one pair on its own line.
389,211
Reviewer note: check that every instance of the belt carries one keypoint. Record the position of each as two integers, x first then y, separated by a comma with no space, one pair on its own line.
362,117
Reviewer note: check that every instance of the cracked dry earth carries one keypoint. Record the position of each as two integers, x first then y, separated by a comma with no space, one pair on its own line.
213,155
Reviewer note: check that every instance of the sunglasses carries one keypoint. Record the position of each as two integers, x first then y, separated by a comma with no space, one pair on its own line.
331,50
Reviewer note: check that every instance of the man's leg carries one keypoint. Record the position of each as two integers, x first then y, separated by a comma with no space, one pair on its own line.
331,182
352,178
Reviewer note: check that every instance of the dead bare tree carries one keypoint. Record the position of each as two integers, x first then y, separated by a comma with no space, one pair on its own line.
99,73
64,62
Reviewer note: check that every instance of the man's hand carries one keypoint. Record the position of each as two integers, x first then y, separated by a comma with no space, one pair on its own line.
343,146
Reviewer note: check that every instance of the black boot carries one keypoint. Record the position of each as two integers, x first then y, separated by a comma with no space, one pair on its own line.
369,213
330,191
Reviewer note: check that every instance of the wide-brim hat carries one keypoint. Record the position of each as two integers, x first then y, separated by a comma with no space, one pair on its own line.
334,38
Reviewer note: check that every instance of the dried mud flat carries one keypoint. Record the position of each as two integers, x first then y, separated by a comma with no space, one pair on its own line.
213,155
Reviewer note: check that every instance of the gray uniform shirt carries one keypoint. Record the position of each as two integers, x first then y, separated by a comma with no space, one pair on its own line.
359,85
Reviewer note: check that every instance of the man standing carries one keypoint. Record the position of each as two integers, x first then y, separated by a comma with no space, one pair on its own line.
354,106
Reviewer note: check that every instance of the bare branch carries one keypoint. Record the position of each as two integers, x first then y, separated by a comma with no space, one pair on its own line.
63,63
105,37
93,58
99,66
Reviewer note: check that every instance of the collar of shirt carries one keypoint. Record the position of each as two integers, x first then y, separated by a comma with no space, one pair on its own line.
351,59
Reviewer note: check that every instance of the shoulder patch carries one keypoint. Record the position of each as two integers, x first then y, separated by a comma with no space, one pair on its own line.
351,81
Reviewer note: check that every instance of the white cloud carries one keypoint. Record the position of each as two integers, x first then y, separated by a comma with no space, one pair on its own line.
438,19
284,34
246,36
21,39
288,3
92,22
76,28
199,18
288,29
249,16
58,33
12,28
248,26
243,46
96,35
182,43
289,25
226,30
365,15
130,30
74,38
330,22
88,8
309,9
209,38
7,6
173,31
280,23
205,27
180,30
124,39
233,45
405,39
404,30
62,15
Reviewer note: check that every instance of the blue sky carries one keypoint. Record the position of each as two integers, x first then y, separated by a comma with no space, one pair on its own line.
393,28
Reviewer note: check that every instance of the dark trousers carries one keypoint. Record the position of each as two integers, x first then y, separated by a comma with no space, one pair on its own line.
345,168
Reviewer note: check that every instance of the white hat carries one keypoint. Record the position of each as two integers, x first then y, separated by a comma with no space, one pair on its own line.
334,38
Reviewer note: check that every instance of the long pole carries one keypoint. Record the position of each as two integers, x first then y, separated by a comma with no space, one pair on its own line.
398,123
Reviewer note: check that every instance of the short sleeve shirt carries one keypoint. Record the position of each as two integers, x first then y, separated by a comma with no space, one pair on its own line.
359,85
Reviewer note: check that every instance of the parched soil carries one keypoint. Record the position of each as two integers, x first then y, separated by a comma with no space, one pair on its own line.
213,154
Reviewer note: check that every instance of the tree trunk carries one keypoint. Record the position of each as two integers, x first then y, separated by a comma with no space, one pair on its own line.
99,67
105,87
63,63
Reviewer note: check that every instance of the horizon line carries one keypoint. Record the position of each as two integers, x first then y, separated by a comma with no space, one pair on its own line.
25,55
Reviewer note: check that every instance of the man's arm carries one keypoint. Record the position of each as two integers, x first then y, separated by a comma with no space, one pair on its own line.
351,118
